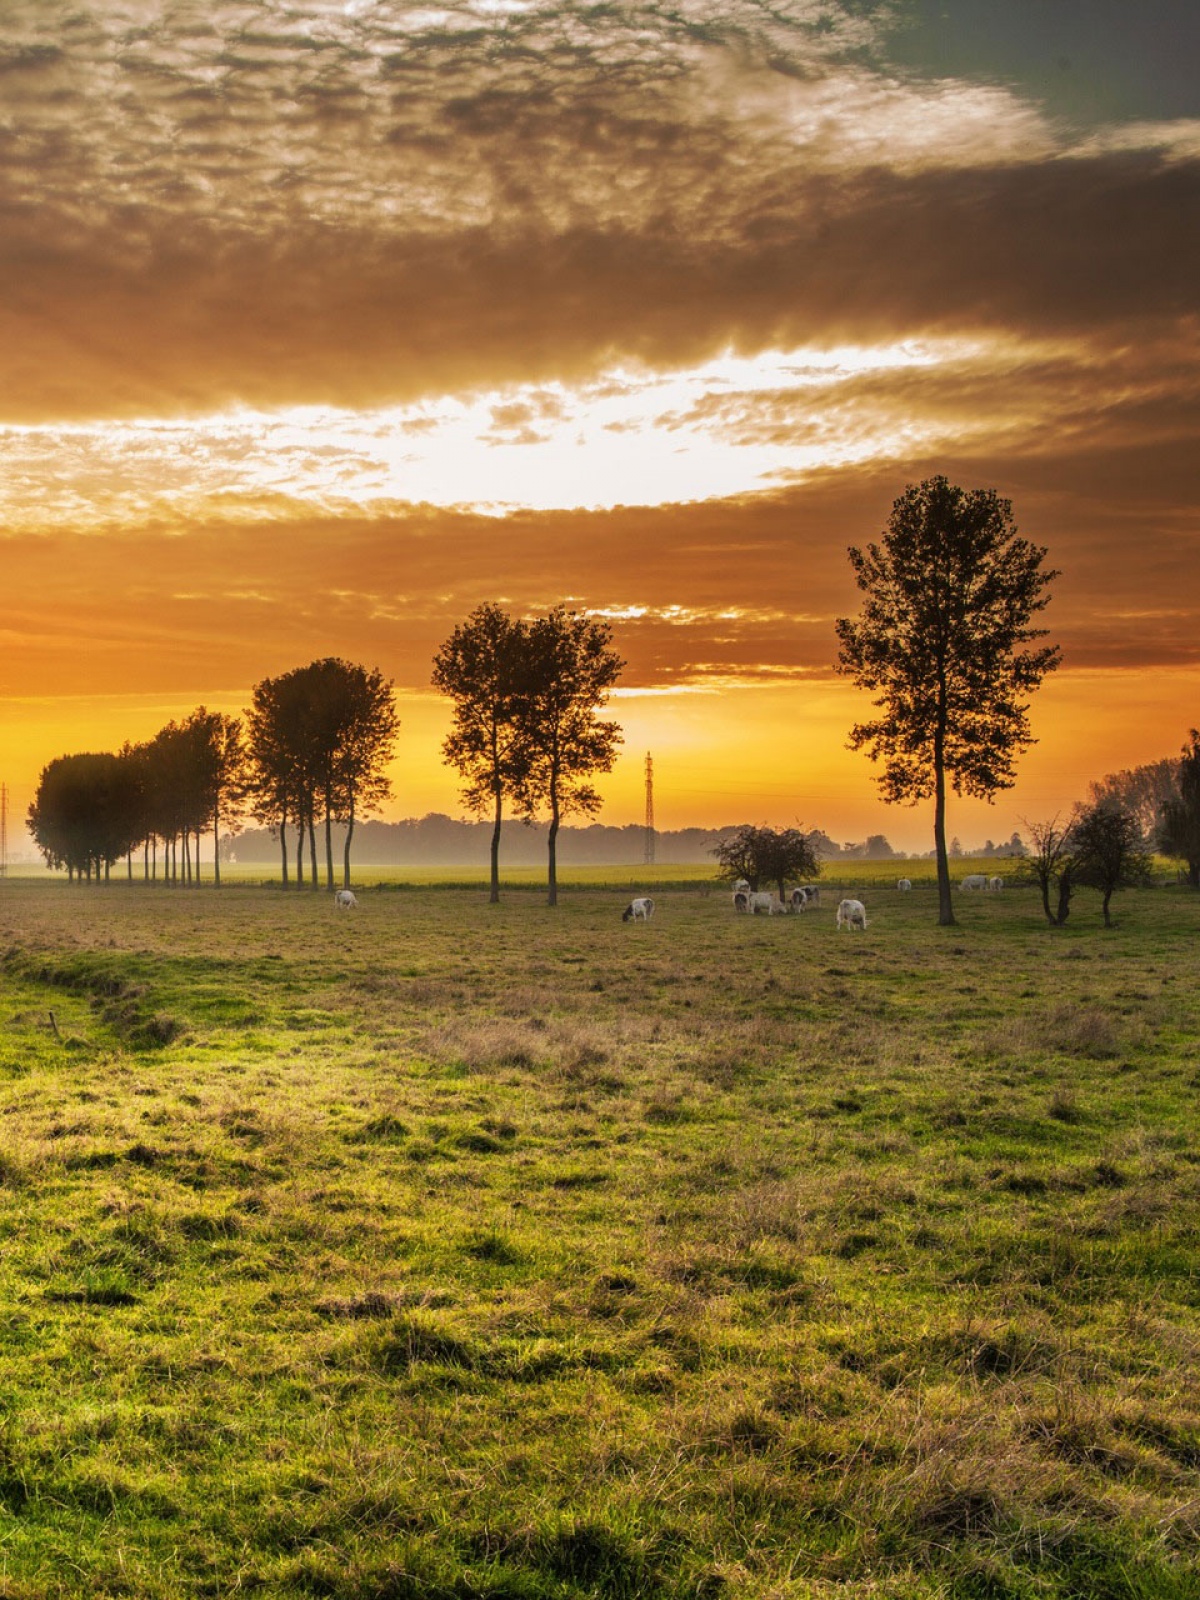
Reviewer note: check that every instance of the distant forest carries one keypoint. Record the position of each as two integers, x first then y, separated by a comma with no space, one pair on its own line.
441,841
437,840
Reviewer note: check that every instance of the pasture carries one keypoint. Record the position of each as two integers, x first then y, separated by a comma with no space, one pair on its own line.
439,1250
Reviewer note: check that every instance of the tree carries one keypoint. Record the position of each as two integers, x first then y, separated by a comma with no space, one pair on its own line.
320,738
1179,818
950,591
570,666
1109,852
1051,865
767,855
480,667
1142,790
86,812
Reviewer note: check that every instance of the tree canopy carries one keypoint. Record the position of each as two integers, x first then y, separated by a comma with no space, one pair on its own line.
950,593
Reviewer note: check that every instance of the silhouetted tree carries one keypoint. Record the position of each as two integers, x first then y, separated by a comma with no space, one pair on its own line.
570,666
1109,851
319,738
767,855
1179,820
950,591
85,812
1050,863
480,667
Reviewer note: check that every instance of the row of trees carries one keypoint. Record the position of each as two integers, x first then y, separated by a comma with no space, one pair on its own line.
312,752
313,748
526,728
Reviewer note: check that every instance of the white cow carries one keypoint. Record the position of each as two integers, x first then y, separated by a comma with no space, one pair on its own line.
852,914
974,880
799,899
812,894
345,900
641,909
904,884
995,885
770,903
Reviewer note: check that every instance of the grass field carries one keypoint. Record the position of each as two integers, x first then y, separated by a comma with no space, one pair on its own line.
442,1250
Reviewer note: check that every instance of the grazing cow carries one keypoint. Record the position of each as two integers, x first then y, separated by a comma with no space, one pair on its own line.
641,909
741,900
852,914
799,899
770,903
345,900
904,884
974,880
812,894
995,885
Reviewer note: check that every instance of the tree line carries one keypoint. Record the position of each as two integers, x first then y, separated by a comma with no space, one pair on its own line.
311,753
311,750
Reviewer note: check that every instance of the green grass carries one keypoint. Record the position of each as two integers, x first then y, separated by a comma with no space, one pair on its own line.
449,1250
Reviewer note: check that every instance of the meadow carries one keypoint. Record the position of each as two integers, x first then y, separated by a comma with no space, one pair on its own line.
441,1250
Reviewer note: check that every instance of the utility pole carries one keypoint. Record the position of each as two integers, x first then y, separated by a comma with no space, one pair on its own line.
3,830
649,809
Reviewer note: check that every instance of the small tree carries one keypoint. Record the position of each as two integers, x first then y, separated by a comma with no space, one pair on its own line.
1050,863
1110,856
950,591
480,667
570,667
766,855
1179,824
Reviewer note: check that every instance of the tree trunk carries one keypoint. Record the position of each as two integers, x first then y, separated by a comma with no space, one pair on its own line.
312,850
494,895
1044,885
329,842
1104,908
283,849
217,846
346,846
1065,889
945,900
552,846
299,852
1193,874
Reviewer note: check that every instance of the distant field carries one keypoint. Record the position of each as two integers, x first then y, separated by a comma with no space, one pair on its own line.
440,1250
697,874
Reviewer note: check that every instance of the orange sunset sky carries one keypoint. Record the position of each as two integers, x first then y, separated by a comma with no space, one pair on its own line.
322,323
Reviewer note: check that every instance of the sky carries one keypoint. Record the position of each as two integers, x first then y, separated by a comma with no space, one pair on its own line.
322,323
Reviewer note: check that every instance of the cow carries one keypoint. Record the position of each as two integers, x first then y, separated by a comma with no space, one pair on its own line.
770,903
995,885
974,880
811,892
851,914
741,900
799,899
904,884
345,900
641,909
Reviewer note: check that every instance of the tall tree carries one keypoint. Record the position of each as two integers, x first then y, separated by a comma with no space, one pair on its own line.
480,667
950,591
1050,863
86,812
570,667
1179,824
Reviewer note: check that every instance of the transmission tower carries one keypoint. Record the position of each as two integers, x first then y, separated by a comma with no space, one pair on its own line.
649,808
3,830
